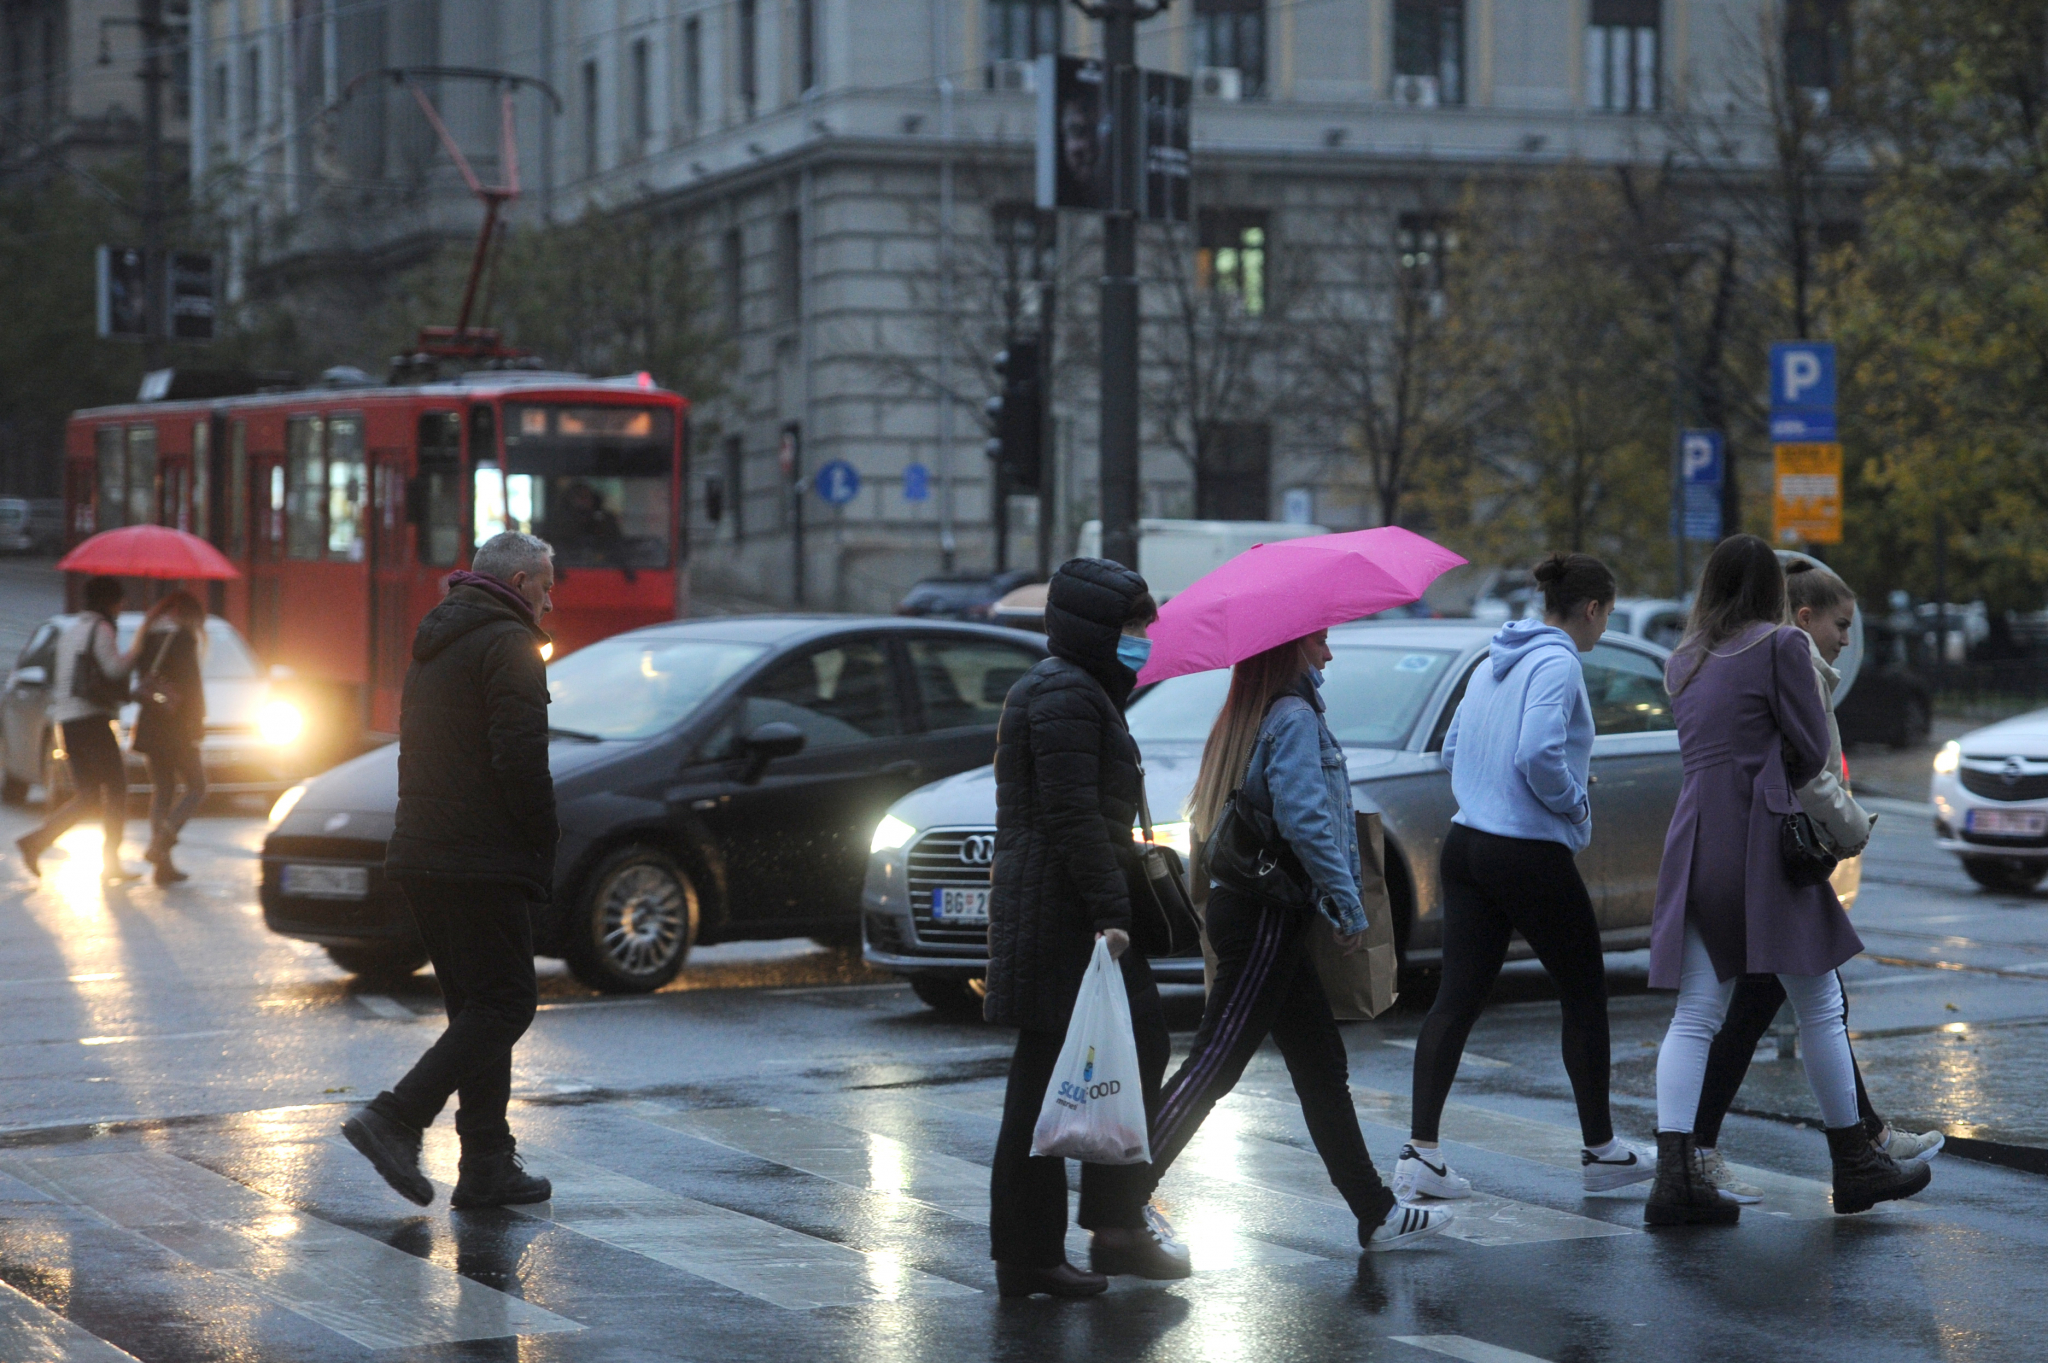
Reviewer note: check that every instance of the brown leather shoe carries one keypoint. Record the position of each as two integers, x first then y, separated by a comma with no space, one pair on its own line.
1061,1280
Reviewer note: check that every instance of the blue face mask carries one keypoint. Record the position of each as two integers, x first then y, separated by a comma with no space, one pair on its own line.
1315,674
1132,651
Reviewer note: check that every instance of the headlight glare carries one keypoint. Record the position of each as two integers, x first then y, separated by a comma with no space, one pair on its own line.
890,834
1179,836
1949,758
280,723
286,803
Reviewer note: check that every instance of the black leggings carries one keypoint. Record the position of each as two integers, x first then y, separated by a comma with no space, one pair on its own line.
1750,1014
1494,887
1266,984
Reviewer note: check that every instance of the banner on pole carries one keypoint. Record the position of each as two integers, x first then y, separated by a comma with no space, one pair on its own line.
1806,500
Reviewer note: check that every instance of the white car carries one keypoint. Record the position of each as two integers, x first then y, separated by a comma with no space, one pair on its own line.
1990,794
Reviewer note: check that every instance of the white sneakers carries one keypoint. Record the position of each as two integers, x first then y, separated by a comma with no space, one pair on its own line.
1406,1224
1907,1148
1425,1173
1731,1188
1616,1165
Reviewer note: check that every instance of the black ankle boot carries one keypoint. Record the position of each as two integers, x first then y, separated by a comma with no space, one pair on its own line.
1681,1195
1866,1175
393,1149
1061,1280
497,1178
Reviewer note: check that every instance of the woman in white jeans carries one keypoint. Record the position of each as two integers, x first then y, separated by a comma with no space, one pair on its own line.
1752,729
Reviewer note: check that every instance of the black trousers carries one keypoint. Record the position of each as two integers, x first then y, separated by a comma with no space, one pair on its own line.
481,942
169,812
1495,887
1751,1012
1265,984
1027,1221
100,778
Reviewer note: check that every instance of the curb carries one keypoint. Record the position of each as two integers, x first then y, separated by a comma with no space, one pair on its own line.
2027,1159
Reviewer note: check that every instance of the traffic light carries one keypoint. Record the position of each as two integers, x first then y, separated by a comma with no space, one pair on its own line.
1016,416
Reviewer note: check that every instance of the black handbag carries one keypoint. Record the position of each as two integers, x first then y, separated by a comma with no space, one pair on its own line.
1239,857
153,692
1807,858
90,682
1163,917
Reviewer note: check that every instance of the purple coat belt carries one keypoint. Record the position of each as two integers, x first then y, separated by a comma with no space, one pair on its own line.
1752,729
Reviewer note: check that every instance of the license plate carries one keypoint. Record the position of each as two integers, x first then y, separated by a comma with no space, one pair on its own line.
327,882
960,906
2009,823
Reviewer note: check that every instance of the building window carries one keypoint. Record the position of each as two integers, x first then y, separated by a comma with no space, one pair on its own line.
1429,51
736,485
252,91
732,268
693,71
1816,47
1019,30
1622,56
590,157
750,84
1233,470
806,46
643,96
789,266
1423,241
1230,255
181,80
1232,33
217,114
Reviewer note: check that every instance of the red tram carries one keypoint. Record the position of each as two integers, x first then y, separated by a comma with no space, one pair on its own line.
346,508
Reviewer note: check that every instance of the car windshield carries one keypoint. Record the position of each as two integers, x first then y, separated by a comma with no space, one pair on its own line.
1373,697
226,657
636,688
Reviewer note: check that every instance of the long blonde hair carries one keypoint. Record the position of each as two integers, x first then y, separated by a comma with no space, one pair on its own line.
1255,684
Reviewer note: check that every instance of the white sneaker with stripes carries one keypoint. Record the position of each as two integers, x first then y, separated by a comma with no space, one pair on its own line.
1405,1225
1416,1174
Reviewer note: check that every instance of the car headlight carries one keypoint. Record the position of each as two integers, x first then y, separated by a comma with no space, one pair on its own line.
547,651
1179,836
280,723
1949,758
286,803
890,834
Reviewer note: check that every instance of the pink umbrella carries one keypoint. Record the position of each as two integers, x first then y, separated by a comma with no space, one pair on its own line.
1275,592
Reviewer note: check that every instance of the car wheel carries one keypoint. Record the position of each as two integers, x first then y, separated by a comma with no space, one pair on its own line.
2011,875
956,996
634,924
13,790
379,962
57,786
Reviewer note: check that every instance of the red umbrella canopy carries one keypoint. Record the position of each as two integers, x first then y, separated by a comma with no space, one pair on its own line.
148,551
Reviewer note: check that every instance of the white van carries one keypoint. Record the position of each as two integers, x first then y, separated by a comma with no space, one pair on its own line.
1173,554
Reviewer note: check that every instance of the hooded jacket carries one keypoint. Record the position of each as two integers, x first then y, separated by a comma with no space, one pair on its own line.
475,797
1519,748
1066,796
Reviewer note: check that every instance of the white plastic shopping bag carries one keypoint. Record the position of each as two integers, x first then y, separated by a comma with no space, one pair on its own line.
1095,1106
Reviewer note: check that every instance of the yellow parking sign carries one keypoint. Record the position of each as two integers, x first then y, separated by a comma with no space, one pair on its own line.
1806,502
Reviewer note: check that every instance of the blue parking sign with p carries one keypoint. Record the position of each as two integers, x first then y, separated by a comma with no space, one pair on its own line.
1803,376
1700,454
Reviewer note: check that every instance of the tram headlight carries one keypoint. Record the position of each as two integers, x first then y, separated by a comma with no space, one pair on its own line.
280,723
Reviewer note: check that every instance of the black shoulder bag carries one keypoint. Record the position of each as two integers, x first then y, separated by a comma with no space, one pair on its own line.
1800,846
1238,857
1163,917
90,682
156,694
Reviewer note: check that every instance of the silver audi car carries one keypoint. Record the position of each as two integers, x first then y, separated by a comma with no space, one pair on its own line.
1390,693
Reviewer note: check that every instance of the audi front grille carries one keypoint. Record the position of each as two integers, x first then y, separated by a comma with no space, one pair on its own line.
948,859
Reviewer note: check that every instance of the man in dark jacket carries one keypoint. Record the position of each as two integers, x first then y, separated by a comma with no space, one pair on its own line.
1067,788
474,842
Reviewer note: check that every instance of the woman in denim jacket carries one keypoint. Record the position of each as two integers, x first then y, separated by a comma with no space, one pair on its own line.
1271,734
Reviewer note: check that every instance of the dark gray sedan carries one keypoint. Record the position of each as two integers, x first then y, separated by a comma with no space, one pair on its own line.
1390,691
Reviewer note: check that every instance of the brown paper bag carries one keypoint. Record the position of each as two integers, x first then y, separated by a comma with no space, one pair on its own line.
1362,985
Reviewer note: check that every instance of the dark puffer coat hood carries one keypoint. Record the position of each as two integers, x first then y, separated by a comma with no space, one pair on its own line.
476,800
1085,608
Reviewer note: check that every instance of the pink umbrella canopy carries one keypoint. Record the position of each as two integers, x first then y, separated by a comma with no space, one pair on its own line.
1275,592
148,551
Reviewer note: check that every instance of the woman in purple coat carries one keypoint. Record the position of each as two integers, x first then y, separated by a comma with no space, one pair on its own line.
1752,730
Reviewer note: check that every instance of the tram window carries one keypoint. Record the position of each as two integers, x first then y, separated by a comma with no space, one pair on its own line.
238,489
202,479
141,475
113,477
440,510
305,488
347,482
275,520
594,481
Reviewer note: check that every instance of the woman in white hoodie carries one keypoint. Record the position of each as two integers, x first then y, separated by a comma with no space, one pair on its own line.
1822,605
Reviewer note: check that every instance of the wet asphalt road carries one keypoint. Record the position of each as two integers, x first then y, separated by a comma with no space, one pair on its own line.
783,1159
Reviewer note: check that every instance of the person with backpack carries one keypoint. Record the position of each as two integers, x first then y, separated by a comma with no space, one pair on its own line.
1519,751
87,694
1735,894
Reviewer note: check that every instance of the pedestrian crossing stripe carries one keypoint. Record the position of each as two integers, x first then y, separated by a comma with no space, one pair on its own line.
360,1288
1470,1350
775,1264
31,1332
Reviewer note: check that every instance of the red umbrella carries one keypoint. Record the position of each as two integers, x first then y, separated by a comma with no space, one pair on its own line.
148,551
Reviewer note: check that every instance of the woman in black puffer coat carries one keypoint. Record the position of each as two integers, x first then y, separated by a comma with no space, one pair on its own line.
1067,789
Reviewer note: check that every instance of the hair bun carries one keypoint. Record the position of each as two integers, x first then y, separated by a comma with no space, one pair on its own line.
1549,569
